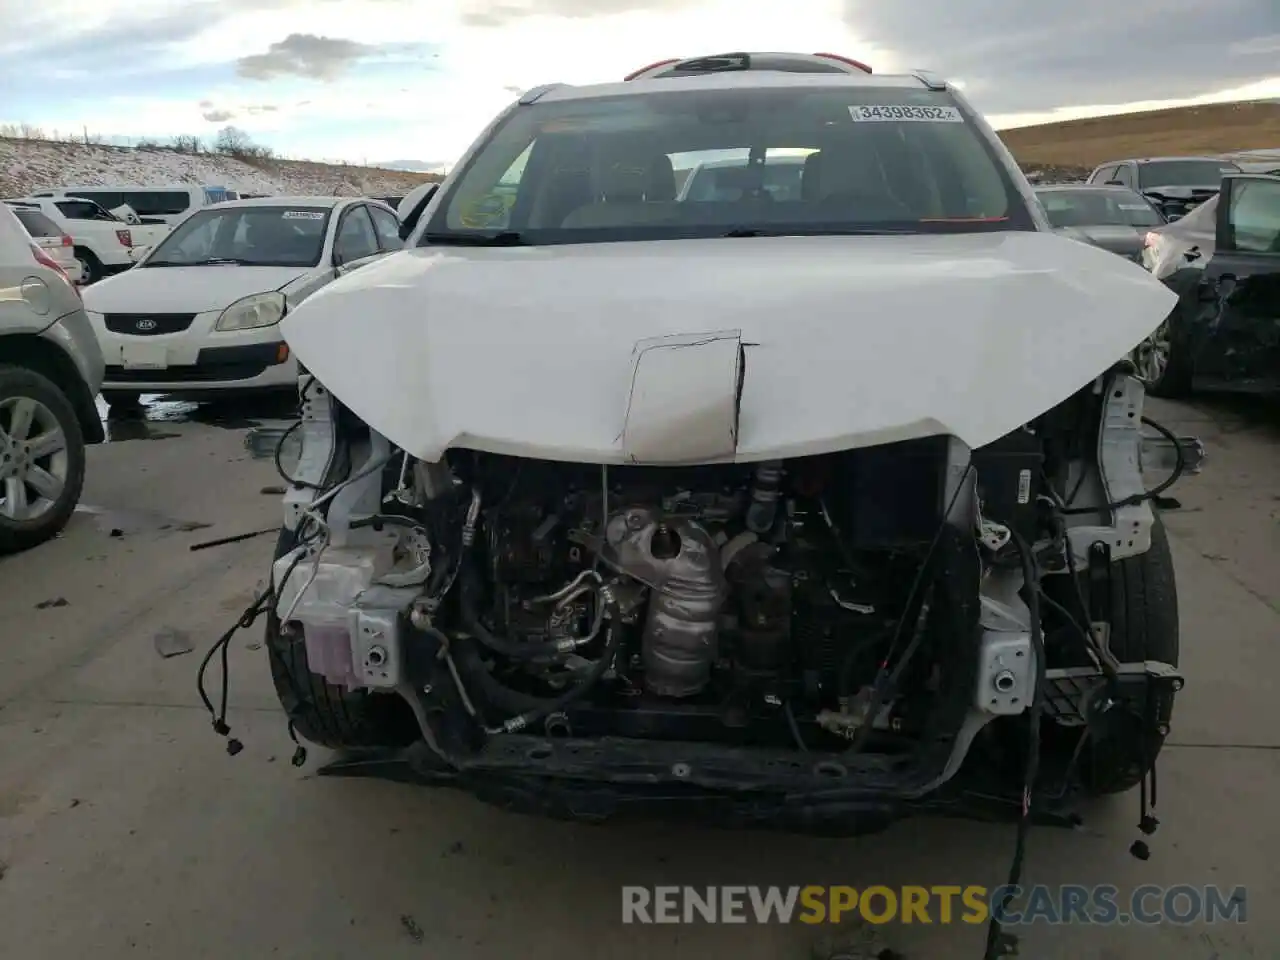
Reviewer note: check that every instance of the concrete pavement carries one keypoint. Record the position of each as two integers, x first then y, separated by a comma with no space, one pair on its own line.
126,830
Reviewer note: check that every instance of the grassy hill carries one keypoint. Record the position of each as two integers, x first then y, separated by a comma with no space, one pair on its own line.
1209,129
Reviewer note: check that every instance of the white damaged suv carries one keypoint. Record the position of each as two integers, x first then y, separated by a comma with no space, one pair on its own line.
790,504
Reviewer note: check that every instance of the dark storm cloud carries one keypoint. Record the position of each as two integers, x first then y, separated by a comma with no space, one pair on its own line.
1019,56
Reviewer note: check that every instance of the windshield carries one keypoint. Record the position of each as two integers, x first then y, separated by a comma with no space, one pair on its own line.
1097,208
274,236
807,159
1183,173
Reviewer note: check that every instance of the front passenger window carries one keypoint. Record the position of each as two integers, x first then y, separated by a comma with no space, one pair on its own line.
356,237
388,228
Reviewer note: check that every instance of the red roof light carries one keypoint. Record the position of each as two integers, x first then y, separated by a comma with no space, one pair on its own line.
660,63
851,62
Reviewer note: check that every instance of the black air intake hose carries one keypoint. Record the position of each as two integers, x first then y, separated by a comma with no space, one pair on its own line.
527,708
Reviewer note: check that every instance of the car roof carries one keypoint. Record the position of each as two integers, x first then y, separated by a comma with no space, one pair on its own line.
114,187
290,201
1090,187
1163,160
729,80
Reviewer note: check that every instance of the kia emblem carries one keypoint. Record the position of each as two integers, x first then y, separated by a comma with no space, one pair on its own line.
144,324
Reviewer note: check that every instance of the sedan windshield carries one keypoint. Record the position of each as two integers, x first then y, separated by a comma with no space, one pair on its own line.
274,236
712,162
1098,208
1183,173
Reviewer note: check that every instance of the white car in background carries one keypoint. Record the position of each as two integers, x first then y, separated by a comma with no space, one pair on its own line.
102,242
49,237
199,315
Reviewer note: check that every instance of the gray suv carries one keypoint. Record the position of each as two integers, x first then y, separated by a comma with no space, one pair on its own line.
50,371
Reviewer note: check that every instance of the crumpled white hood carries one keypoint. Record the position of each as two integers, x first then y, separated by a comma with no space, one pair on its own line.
726,349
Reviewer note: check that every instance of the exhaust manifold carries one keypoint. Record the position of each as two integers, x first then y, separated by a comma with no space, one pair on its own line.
679,561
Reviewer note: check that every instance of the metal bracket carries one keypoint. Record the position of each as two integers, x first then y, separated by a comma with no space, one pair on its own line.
1075,695
1119,449
315,448
1006,673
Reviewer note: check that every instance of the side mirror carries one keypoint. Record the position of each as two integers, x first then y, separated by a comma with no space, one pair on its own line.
137,253
411,209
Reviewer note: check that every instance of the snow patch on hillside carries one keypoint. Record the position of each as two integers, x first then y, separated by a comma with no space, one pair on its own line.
31,165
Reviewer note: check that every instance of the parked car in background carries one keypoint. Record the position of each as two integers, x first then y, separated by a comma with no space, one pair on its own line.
153,205
199,315
50,238
1223,262
1177,184
1114,218
102,241
731,179
50,370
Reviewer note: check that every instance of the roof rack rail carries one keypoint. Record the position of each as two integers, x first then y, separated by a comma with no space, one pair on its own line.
534,95
930,79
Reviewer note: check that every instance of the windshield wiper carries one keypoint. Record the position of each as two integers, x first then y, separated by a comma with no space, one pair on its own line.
507,238
844,232
211,262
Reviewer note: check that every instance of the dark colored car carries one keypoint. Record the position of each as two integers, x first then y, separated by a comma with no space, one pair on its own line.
1177,184
1114,218
1223,261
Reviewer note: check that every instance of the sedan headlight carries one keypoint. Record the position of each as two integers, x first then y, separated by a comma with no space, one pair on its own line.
252,312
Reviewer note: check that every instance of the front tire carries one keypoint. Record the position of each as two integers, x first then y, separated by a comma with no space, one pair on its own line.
1144,627
42,459
325,714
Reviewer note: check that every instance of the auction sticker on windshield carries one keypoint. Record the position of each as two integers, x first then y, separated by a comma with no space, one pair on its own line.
302,215
899,113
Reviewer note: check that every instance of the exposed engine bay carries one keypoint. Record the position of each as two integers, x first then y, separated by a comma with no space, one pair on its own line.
876,609
732,591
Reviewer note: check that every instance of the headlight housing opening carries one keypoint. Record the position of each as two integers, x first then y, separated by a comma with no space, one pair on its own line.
253,312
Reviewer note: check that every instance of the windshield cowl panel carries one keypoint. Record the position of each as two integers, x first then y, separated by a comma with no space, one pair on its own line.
731,163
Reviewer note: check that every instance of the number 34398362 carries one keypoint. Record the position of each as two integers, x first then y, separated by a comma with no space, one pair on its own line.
902,113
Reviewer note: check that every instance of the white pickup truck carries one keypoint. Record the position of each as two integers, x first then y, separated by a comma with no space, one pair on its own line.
103,242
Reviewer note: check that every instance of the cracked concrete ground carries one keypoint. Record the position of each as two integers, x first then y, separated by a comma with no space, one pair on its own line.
126,830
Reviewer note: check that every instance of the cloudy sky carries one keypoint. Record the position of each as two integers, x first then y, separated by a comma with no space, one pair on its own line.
417,79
